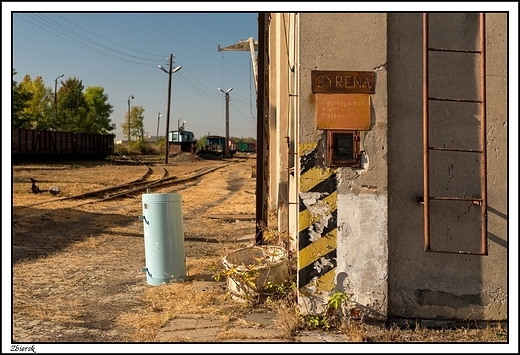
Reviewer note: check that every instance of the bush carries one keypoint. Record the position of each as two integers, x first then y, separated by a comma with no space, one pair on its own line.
139,148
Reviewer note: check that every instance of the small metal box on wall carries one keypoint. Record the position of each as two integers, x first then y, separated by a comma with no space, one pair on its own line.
343,148
343,109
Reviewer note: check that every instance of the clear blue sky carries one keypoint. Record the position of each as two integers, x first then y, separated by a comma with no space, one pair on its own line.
121,53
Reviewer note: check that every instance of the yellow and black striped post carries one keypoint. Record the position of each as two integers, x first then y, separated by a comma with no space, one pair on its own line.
317,226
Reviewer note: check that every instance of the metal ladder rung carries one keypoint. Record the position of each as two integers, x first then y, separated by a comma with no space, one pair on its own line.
454,252
454,100
477,201
454,50
456,150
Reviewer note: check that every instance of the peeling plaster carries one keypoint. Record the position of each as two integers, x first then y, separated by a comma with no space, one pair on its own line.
312,287
317,228
322,263
347,174
313,235
312,200
365,161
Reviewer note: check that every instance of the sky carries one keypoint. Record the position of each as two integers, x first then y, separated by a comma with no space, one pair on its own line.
121,53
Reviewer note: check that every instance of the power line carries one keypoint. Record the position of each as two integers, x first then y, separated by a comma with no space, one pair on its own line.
81,37
242,114
68,38
117,44
191,84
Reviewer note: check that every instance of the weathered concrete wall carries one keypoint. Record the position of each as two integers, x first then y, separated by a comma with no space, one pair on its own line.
279,125
439,285
343,211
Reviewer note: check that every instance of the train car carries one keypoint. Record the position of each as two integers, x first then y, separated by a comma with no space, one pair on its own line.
246,147
215,146
251,147
30,144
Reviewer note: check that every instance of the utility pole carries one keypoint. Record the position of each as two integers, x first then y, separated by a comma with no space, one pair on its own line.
226,150
168,110
226,145
169,72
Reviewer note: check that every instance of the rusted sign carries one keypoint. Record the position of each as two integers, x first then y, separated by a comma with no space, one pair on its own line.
343,111
347,82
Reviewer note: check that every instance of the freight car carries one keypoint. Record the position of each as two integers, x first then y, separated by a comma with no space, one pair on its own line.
215,146
53,145
246,147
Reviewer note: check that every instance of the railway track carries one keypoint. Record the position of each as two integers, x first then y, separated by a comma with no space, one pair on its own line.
139,185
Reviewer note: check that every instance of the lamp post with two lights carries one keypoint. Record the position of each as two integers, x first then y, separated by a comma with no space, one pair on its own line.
226,146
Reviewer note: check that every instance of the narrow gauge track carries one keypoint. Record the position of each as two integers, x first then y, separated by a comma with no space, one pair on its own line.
83,195
138,185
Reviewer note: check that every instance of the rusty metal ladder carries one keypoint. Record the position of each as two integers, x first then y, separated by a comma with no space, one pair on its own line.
482,200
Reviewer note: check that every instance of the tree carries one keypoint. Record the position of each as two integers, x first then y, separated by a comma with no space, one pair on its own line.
98,112
76,111
72,108
38,110
201,142
243,140
136,122
21,99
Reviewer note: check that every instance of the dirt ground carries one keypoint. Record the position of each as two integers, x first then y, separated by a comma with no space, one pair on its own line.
76,270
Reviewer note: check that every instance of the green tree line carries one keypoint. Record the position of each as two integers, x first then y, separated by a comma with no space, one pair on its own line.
72,108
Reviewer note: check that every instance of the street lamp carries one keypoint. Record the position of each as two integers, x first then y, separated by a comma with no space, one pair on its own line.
158,119
179,124
169,72
56,97
131,97
226,146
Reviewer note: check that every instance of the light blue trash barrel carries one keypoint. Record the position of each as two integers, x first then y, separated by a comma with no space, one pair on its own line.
163,238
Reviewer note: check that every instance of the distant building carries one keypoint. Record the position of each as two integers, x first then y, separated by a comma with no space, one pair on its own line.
180,141
181,136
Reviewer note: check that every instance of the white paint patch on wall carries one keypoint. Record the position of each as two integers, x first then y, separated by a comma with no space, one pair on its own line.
311,201
316,230
362,264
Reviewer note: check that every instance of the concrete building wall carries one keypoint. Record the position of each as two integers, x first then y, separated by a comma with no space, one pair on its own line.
343,211
361,230
442,285
279,124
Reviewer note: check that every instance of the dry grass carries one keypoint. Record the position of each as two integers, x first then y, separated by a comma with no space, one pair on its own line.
168,301
363,333
81,265
287,320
